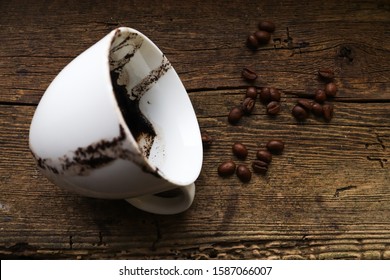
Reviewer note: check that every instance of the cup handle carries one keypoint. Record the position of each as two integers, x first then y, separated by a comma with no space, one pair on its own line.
166,205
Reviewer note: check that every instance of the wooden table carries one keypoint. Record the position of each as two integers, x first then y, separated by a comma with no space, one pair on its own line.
326,197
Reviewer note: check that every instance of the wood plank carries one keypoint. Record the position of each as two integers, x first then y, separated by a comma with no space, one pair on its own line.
30,62
323,187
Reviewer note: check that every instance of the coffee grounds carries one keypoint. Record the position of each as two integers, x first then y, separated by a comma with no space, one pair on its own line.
139,125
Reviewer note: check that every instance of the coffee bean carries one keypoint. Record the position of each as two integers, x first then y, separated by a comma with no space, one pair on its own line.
331,89
306,104
268,26
317,109
239,150
262,36
273,108
326,74
226,168
327,111
264,155
299,113
259,166
248,74
243,173
274,94
235,115
265,95
252,42
275,146
207,140
247,105
251,92
320,96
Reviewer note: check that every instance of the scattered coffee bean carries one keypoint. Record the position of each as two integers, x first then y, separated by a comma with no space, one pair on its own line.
299,113
268,26
317,109
264,155
320,96
251,92
248,74
275,146
226,168
207,140
326,74
265,95
247,105
252,42
239,150
259,166
262,36
327,111
331,89
243,173
273,108
235,115
305,103
274,94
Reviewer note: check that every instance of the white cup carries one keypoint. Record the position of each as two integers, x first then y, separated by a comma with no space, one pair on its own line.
132,143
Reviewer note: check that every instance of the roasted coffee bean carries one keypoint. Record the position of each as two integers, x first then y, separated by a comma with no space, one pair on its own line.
226,168
268,26
259,166
306,103
317,109
207,140
299,113
273,108
251,92
264,155
327,111
331,89
274,94
320,96
235,115
265,95
239,150
243,173
262,36
252,42
247,105
326,74
248,74
275,146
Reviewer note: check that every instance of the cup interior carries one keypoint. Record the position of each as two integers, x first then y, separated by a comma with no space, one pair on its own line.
155,107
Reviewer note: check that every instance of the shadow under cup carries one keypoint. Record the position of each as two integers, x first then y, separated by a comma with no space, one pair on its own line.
156,108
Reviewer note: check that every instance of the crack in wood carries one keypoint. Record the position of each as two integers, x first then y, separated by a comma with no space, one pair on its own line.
289,44
381,161
343,189
380,142
158,236
100,242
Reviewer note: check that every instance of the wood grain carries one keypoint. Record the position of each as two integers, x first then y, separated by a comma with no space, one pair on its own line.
326,197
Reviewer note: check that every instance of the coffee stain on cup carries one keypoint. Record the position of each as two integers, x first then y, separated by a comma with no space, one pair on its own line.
128,99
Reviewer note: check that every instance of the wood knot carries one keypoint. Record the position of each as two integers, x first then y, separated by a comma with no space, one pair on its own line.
346,52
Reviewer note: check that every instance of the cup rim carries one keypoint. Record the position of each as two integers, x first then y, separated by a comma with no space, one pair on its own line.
149,167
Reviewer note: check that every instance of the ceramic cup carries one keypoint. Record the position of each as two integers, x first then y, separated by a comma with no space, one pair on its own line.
117,123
